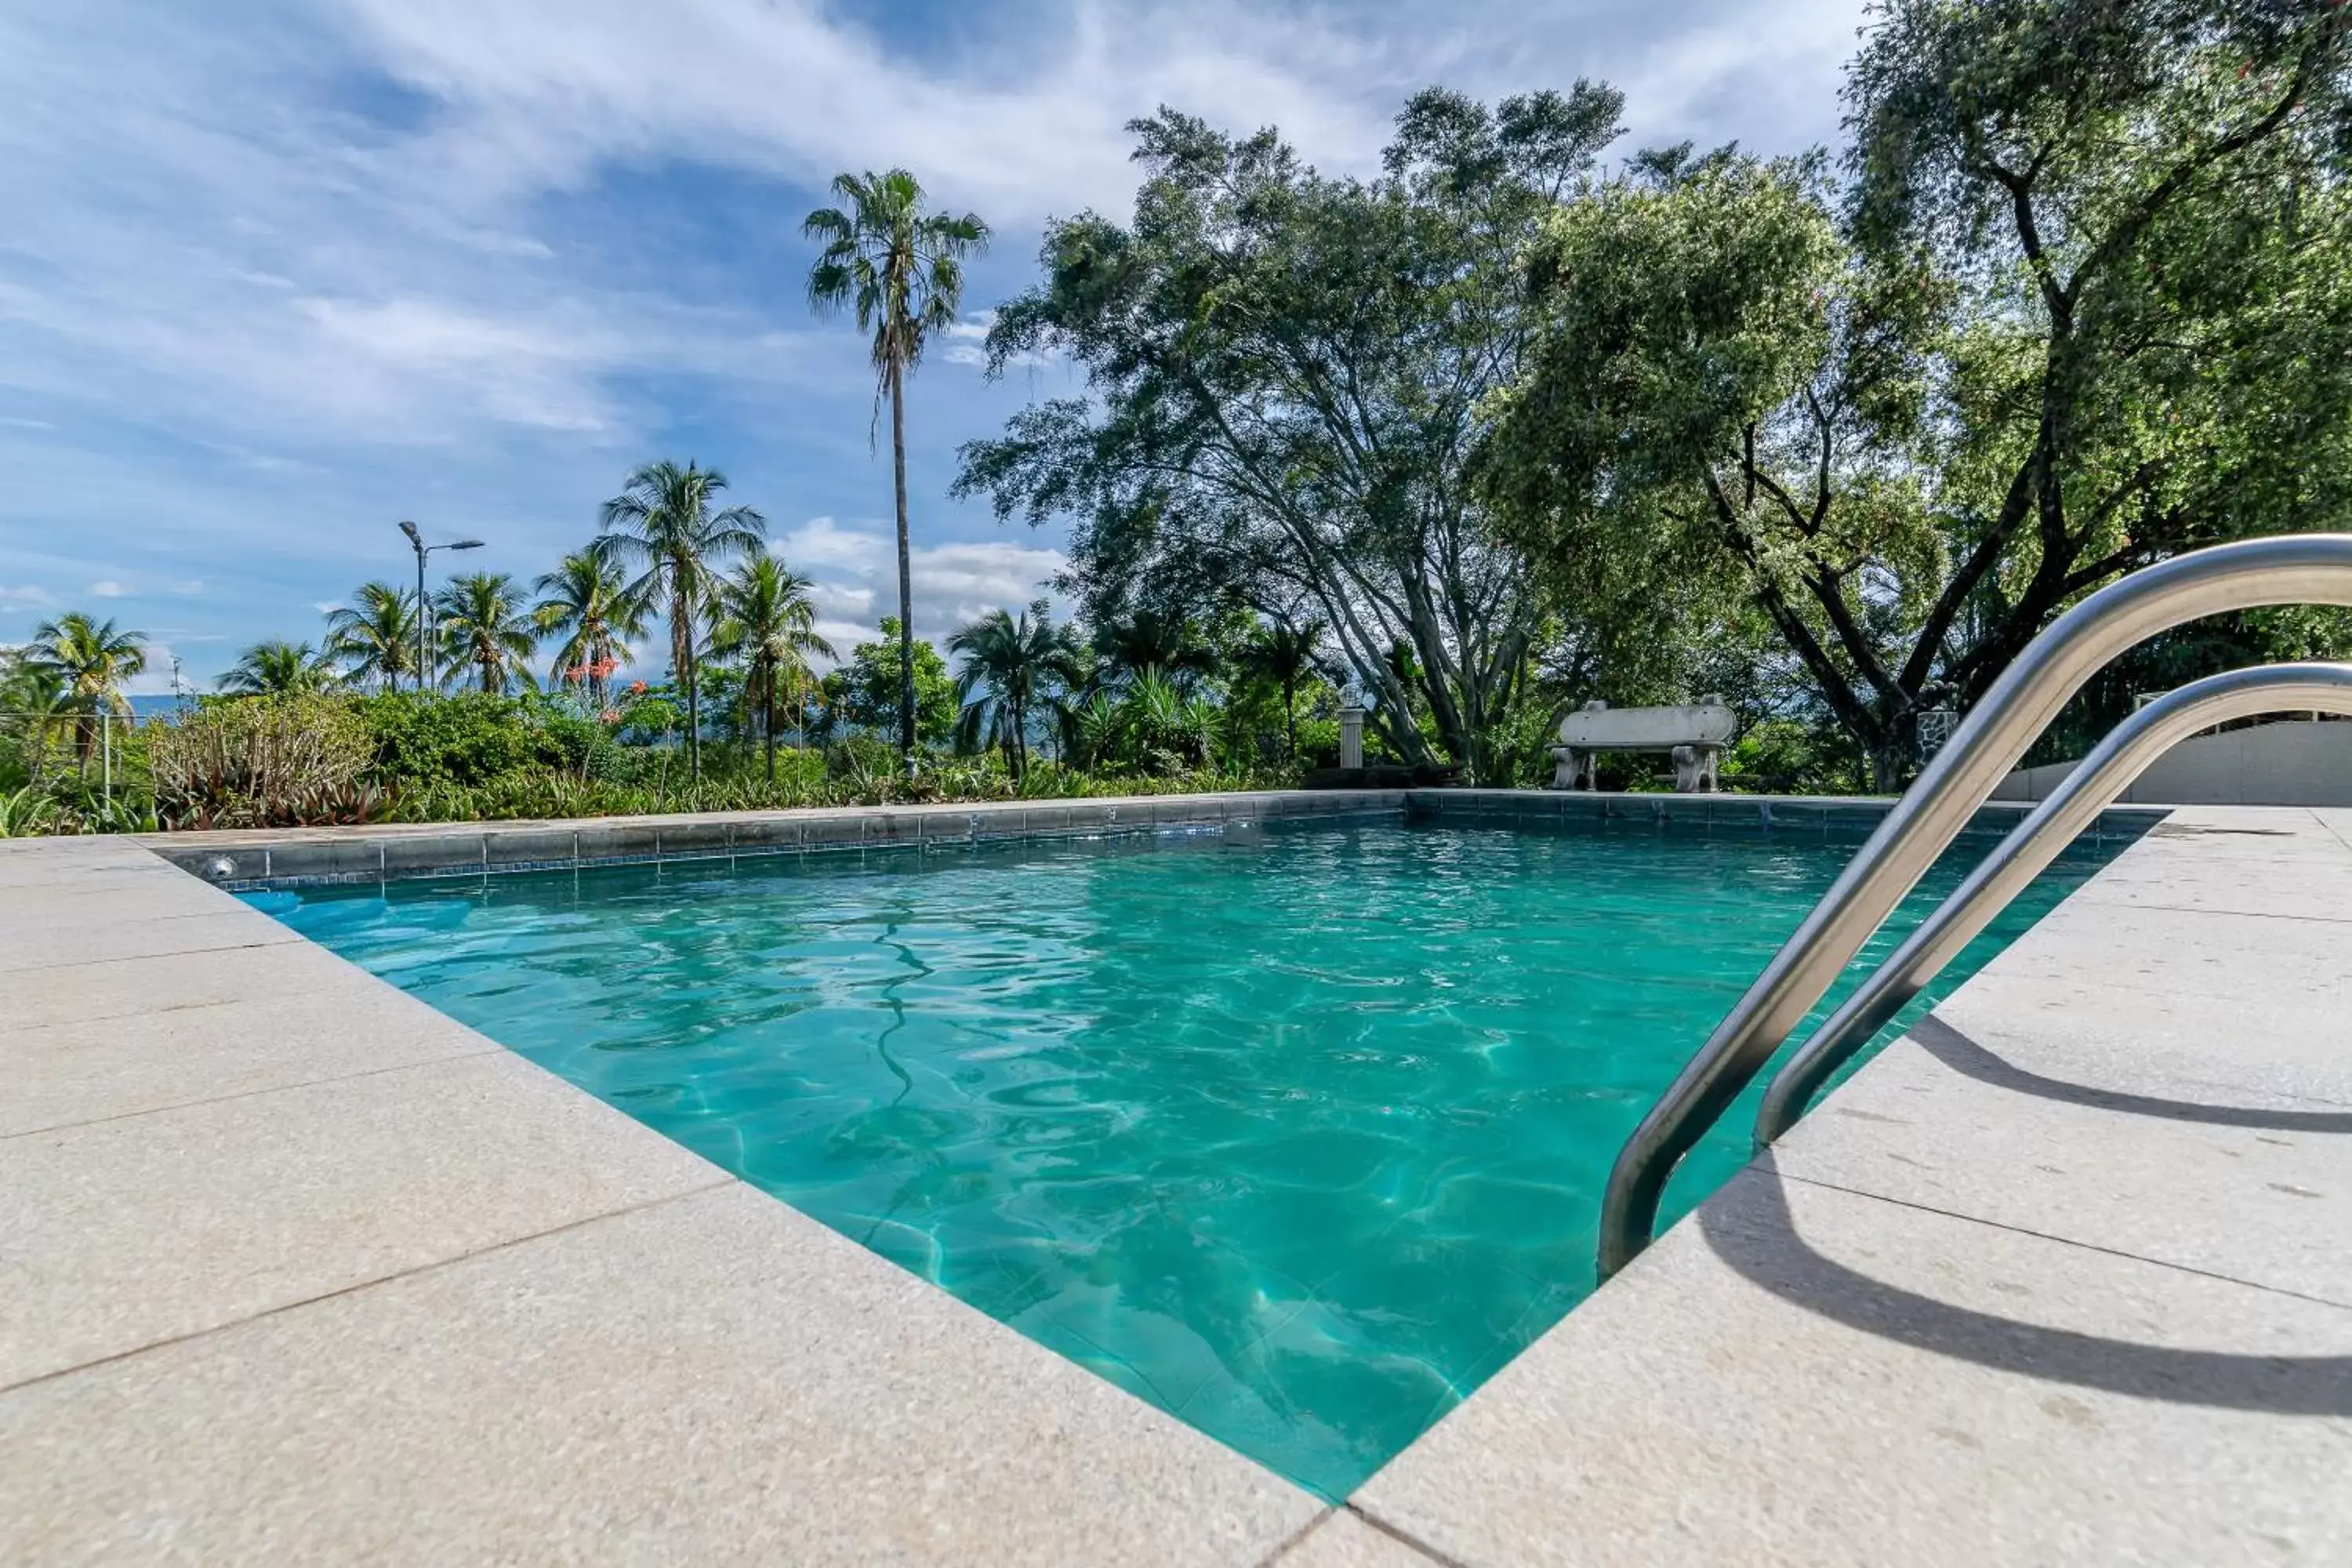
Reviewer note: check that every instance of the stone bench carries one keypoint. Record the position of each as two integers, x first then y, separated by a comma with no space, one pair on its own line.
1692,735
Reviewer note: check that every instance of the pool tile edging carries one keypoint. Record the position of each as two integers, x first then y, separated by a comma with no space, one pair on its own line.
304,858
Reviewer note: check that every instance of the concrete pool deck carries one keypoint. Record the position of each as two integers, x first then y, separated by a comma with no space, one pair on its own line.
293,1267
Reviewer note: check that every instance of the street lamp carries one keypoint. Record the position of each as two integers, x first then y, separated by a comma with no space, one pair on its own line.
416,543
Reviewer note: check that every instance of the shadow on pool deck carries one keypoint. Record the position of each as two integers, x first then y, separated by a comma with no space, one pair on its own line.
1760,1240
1967,1058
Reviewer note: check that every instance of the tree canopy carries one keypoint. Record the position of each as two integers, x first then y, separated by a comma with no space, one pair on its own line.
1284,370
2076,306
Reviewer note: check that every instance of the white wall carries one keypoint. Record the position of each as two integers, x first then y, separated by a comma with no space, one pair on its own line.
2291,762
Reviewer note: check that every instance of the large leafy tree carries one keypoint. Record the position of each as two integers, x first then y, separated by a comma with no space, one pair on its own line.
91,659
2077,306
863,691
767,618
375,634
900,270
1013,665
1284,370
586,605
483,623
665,520
275,667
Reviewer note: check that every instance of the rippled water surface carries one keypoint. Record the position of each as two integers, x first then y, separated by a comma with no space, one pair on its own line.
1299,1133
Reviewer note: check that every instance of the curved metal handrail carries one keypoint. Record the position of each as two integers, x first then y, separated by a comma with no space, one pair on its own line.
2094,784
2294,568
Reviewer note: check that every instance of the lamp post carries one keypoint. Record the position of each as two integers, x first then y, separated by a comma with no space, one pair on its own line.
416,543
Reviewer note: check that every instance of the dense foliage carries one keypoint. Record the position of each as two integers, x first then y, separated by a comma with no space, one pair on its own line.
1284,372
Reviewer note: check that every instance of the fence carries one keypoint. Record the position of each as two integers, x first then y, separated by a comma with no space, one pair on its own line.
61,747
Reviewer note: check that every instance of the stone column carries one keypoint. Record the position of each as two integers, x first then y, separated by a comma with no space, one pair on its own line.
1351,737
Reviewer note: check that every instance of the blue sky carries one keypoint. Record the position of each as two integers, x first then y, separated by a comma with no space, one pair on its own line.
276,275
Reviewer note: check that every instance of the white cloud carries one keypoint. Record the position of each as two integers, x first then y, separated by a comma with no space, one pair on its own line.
155,680
855,579
25,594
327,606
821,541
108,589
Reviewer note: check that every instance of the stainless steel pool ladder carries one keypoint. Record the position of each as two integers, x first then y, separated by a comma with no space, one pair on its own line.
2293,569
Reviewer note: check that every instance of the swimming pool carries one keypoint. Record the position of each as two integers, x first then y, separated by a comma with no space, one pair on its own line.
1297,1131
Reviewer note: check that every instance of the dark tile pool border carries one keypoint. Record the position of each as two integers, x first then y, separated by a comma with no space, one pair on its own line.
249,861
1834,819
253,860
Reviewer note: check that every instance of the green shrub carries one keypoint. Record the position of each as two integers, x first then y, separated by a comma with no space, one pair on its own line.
469,738
290,761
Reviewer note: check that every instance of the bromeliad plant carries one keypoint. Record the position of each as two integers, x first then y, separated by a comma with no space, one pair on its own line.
301,761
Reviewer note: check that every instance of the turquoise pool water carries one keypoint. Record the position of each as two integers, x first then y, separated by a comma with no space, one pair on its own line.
1298,1132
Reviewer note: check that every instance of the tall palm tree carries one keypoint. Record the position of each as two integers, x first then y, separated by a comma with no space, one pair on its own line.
587,603
663,518
482,622
1010,664
375,634
765,615
277,668
901,269
1287,655
92,659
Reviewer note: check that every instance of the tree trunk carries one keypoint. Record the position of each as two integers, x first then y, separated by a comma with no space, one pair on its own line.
681,657
768,722
906,572
1290,715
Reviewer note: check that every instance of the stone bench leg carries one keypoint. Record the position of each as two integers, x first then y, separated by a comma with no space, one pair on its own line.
1573,768
1695,770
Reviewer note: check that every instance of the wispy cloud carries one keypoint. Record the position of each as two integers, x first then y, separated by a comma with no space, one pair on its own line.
280,272
108,588
855,572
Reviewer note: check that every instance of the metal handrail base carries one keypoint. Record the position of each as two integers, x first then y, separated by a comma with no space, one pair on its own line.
2294,568
2127,752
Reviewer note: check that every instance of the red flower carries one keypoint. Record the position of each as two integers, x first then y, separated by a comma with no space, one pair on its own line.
636,689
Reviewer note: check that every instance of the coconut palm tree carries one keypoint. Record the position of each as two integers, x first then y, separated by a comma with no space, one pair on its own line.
35,694
92,659
587,603
663,518
1010,664
375,634
279,669
901,269
766,616
482,622
1285,655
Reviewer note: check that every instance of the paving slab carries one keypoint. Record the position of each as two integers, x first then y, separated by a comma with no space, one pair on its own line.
41,938
1342,1540
1796,1374
115,1235
715,1379
2278,1041
336,1026
2248,1186
133,987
